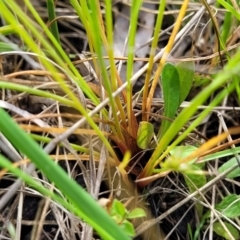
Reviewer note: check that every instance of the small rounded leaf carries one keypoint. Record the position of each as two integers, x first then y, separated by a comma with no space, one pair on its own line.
128,228
136,213
218,229
230,206
145,134
118,208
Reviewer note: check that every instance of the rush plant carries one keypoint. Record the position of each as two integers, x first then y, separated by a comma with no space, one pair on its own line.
107,109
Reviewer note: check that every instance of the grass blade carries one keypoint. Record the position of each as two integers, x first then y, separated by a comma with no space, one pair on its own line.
87,207
52,19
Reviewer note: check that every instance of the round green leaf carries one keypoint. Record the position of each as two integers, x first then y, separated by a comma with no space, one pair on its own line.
118,208
145,134
136,213
128,228
230,206
219,230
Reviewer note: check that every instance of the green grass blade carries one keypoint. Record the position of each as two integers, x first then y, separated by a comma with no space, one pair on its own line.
157,29
5,163
228,7
226,28
5,47
113,71
43,36
235,173
88,209
221,154
58,56
131,42
52,19
94,29
45,139
37,92
135,8
6,30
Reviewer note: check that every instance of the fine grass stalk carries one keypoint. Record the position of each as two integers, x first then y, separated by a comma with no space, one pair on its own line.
84,205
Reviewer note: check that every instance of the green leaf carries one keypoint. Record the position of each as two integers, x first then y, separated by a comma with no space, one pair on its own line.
145,134
219,230
183,151
186,74
230,206
227,165
171,94
136,213
194,182
128,228
52,18
118,208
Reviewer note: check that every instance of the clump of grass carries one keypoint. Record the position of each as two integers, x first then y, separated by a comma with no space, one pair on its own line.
107,108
